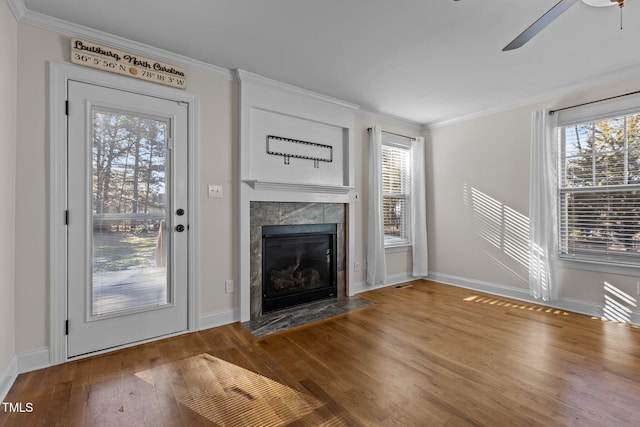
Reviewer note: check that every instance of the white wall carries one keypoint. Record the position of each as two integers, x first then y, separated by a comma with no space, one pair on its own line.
218,157
478,200
8,139
32,308
477,171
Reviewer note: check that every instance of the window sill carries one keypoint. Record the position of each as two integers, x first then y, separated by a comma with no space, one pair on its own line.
406,247
601,267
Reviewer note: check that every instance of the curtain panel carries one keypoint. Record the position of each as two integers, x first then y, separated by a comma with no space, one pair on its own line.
376,262
419,209
543,206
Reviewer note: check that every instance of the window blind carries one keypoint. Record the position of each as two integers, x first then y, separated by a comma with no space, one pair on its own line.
600,190
396,185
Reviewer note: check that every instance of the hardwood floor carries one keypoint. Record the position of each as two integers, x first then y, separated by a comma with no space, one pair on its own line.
424,355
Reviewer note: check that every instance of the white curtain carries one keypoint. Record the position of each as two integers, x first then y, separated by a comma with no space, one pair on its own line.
419,209
543,206
376,263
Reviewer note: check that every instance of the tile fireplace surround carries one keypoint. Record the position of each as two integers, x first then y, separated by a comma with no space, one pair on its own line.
290,213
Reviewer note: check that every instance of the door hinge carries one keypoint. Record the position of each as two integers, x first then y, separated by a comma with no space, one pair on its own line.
66,327
66,108
66,217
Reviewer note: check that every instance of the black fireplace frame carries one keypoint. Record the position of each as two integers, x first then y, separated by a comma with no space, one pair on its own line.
329,290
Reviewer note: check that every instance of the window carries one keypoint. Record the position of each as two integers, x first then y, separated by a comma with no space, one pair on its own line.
396,188
600,190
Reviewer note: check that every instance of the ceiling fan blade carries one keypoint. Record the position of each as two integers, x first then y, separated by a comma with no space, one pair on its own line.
540,24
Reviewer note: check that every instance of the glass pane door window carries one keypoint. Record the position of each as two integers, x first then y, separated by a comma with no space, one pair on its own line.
129,198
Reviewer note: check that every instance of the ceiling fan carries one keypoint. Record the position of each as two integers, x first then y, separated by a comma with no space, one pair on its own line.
552,14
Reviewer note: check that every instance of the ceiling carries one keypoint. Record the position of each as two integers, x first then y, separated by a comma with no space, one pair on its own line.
426,61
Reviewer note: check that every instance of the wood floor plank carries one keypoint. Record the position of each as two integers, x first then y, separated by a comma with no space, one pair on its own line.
425,354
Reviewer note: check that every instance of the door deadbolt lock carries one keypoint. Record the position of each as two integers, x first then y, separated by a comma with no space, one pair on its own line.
180,228
180,212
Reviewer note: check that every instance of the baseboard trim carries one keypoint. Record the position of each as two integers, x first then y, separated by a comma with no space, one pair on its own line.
41,358
360,287
390,281
8,377
33,360
219,318
574,305
21,363
478,285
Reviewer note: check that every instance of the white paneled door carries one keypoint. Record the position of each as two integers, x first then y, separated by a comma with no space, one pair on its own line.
127,219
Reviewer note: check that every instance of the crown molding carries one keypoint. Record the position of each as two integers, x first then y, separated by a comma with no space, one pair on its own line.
378,116
26,16
18,8
247,76
244,75
551,98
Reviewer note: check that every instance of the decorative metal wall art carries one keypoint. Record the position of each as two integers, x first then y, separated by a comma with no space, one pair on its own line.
288,148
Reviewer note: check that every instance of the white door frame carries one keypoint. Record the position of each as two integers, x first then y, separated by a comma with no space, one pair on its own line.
59,75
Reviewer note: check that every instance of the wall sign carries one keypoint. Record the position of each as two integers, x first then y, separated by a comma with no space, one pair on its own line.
287,148
116,61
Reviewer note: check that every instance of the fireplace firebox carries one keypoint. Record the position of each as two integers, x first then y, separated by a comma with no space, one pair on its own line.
298,264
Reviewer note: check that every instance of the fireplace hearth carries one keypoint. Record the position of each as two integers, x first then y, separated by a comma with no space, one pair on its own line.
298,264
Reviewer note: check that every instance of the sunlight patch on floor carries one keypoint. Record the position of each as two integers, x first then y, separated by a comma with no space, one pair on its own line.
513,304
229,395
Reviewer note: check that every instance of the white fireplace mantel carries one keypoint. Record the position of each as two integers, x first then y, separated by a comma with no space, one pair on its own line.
292,186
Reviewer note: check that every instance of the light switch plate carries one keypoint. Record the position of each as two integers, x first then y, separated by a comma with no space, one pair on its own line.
215,191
